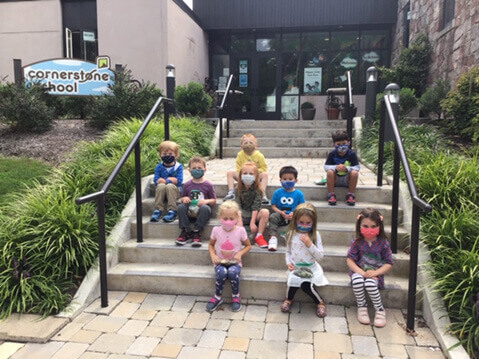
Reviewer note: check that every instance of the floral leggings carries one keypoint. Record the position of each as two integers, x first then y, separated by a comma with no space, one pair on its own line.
232,273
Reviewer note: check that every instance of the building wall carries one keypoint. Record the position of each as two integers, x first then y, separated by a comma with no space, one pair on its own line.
30,31
455,47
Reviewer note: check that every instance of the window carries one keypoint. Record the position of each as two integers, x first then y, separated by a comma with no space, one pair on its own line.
448,7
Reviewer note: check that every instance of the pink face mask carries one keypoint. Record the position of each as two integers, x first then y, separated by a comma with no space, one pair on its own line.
370,233
228,224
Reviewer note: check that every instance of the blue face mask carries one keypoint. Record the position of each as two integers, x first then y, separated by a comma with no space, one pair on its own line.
287,185
168,159
197,173
304,229
342,149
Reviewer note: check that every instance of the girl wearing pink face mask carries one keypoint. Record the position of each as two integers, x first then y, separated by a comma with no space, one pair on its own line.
369,258
228,243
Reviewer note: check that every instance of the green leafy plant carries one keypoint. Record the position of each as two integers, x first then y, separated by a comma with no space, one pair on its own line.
307,106
430,101
407,101
192,99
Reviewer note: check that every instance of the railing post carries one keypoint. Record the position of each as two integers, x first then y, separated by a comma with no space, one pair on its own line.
221,135
371,93
170,93
17,71
349,110
102,249
382,120
139,204
413,261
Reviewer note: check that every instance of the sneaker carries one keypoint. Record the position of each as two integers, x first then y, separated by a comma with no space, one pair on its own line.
350,199
170,216
332,199
183,238
236,304
363,316
264,200
261,242
380,319
196,238
155,217
213,304
273,243
230,196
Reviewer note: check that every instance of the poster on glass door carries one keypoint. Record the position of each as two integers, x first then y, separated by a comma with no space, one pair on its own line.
312,80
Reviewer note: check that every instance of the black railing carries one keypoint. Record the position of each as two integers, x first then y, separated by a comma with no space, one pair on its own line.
348,107
228,104
389,130
101,196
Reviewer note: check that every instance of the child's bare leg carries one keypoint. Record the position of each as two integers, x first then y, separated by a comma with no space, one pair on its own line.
263,179
231,176
263,217
353,178
331,180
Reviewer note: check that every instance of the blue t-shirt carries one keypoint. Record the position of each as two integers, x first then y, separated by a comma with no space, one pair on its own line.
287,201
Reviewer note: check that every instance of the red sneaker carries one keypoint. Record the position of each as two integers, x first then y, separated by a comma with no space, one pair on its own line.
261,242
350,199
332,199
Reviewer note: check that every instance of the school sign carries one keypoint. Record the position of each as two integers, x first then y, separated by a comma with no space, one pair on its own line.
71,77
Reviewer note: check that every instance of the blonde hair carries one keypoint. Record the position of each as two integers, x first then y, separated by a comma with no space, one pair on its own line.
303,209
197,159
169,146
249,135
229,206
256,185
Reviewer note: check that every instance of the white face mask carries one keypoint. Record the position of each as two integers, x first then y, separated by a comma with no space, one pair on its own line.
248,180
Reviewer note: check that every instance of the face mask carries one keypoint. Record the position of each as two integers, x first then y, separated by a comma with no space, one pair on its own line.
248,180
197,173
228,224
249,149
287,185
168,159
370,233
304,229
342,149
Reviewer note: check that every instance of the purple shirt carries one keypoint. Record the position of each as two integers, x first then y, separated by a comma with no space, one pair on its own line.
371,257
206,188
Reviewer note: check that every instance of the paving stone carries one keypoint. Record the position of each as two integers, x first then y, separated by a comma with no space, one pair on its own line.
225,313
125,310
266,349
238,344
166,350
354,356
144,314
8,349
393,333
38,351
246,329
143,346
155,332
85,336
112,343
253,301
218,324
117,295
84,318
135,297
300,336
301,321
125,356
105,324
275,306
300,351
277,317
96,307
197,320
68,331
182,336
330,342
356,328
30,328
213,339
158,301
336,325
71,351
133,327
364,345
425,337
184,303
335,310
424,352
226,354
93,355
276,331
326,355
198,307
195,353
393,350
255,313
169,319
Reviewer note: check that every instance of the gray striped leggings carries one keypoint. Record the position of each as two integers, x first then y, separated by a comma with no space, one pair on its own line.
362,285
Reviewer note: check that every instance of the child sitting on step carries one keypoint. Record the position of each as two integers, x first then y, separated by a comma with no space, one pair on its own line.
303,251
369,258
249,152
226,251
342,168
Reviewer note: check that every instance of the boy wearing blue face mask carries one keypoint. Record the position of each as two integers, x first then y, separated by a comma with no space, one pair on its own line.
284,202
342,167
168,182
198,197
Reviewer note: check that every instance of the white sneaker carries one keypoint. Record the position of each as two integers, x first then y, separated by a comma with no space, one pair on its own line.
273,243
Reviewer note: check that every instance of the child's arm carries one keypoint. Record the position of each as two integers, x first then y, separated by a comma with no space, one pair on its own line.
378,272
214,258
387,257
252,224
157,174
211,197
242,252
354,267
262,165
240,159
354,163
178,179
274,208
353,256
329,164
289,263
315,250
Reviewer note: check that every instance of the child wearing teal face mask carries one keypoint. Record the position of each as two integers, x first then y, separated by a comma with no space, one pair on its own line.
284,203
198,197
303,251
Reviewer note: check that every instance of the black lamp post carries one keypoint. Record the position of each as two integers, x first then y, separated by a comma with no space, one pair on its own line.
170,93
371,92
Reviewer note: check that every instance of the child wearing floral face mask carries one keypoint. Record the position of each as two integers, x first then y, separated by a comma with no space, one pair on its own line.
369,258
303,251
226,252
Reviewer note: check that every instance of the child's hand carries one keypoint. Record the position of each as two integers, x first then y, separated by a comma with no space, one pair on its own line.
306,240
371,274
173,180
341,168
215,259
161,180
201,202
284,215
290,266
289,216
237,257
185,200
253,227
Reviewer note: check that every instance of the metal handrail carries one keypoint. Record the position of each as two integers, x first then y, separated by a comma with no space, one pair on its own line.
349,109
100,197
220,117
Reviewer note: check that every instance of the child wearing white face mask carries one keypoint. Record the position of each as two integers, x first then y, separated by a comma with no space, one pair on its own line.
248,196
226,251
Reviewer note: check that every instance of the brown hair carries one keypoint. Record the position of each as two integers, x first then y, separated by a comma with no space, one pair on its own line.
303,209
197,159
256,185
375,216
169,145
339,135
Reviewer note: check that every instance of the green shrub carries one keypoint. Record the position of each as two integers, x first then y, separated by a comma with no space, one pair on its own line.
430,101
74,106
25,108
462,106
407,101
307,106
127,100
192,99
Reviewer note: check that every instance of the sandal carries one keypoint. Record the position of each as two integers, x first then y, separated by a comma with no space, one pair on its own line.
286,306
321,309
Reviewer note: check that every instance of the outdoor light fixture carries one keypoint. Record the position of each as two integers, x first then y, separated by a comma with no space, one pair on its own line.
392,91
171,70
372,74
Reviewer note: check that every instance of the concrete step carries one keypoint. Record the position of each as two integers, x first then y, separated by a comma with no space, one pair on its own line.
256,282
284,132
254,125
165,251
282,142
284,152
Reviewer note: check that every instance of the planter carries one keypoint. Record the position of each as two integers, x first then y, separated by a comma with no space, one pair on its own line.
332,113
308,113
343,112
